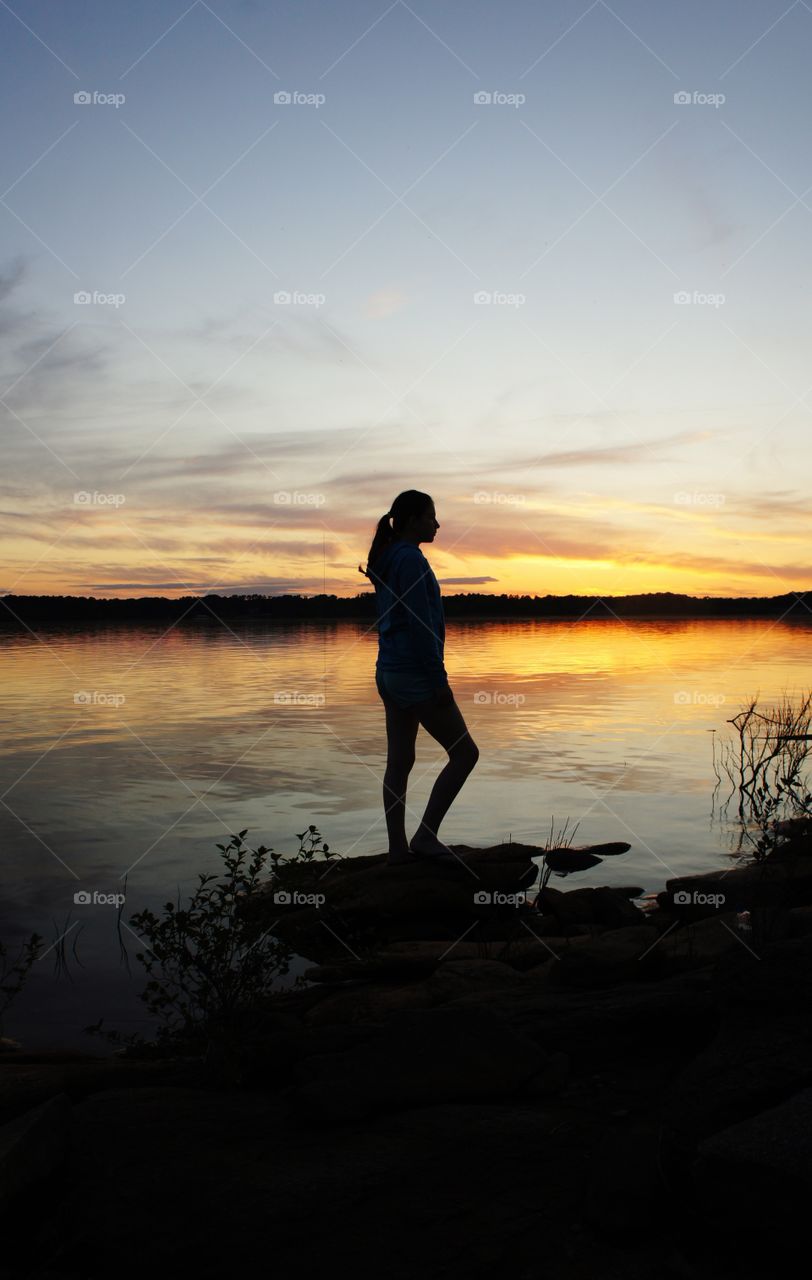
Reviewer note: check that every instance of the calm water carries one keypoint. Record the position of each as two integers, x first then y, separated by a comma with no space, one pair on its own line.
180,738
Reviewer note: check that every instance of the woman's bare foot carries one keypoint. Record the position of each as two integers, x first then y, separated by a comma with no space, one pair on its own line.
429,846
399,854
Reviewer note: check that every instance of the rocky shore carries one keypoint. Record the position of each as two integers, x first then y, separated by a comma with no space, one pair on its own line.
570,1083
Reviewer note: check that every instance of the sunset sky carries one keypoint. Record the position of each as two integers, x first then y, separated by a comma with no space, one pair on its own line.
577,314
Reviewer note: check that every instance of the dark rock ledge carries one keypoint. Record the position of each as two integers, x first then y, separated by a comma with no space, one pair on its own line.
568,1085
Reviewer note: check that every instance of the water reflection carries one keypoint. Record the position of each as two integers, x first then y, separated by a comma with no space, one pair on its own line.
135,751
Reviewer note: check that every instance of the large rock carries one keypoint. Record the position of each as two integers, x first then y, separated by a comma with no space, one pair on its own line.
32,1147
452,1190
759,1172
598,906
365,1002
617,956
776,882
419,1058
32,1078
697,943
772,1147
533,947
762,1052
328,908
455,978
678,1013
363,902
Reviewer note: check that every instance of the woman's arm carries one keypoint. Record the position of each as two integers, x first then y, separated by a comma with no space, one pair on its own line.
413,592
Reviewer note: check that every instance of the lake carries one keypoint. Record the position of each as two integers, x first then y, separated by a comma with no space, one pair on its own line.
135,751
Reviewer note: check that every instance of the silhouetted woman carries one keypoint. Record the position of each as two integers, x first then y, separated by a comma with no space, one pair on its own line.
410,674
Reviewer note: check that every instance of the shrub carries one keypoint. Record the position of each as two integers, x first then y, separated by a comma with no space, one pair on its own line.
13,975
209,960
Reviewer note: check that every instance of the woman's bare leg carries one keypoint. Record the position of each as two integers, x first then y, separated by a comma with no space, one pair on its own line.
447,726
401,732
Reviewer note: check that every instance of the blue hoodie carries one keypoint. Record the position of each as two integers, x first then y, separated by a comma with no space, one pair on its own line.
411,625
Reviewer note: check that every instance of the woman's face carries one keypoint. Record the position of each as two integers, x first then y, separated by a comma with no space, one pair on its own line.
425,525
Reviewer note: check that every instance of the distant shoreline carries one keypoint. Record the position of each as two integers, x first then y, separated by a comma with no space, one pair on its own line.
20,612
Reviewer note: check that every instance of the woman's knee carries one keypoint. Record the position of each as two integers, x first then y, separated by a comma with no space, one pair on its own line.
465,752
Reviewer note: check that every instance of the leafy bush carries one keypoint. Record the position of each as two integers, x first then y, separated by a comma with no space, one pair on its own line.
209,960
773,831
13,975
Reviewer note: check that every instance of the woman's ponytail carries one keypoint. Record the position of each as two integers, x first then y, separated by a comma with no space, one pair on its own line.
407,504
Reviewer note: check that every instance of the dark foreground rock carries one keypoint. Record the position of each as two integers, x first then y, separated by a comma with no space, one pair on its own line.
565,1093
760,1172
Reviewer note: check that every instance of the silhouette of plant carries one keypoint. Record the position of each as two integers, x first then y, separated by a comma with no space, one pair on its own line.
561,858
765,768
209,960
214,961
770,803
13,974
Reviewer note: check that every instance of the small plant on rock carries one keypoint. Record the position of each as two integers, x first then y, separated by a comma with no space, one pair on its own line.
14,973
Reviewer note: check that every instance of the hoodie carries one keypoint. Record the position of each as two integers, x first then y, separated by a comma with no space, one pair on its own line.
411,625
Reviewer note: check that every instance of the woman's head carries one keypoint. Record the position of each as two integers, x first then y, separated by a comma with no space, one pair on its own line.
411,517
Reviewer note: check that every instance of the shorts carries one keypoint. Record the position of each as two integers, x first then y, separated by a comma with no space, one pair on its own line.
404,688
